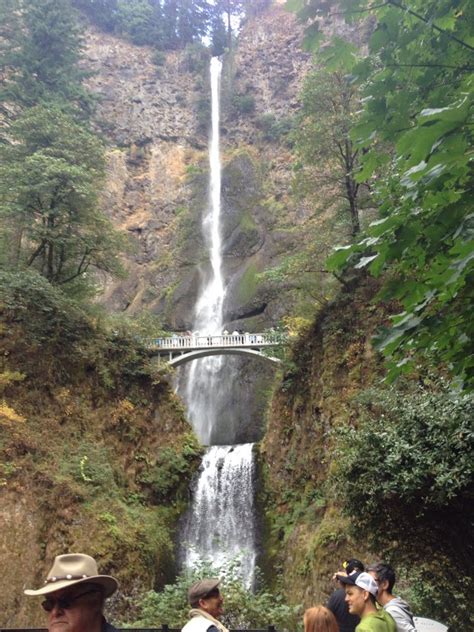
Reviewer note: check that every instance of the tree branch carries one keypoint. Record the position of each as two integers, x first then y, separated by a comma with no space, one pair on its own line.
36,253
431,24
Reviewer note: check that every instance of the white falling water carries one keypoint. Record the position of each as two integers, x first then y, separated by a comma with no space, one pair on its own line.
208,314
219,527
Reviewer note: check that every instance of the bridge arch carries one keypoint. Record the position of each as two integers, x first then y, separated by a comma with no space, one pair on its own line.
203,353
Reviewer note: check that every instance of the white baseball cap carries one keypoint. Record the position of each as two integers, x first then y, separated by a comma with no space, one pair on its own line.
362,580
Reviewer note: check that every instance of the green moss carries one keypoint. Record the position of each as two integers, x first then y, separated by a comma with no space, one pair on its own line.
247,223
248,284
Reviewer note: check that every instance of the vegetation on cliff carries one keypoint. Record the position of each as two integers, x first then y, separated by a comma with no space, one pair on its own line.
386,471
415,135
89,418
361,468
170,24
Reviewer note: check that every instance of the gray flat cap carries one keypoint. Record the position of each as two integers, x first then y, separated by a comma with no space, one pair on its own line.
202,588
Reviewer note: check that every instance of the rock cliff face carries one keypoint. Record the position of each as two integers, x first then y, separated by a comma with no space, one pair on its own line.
307,537
157,169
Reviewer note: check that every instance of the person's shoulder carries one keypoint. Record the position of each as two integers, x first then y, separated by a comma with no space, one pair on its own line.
389,620
401,612
379,621
338,595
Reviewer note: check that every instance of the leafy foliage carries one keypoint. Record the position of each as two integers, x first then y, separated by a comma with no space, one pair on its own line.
417,92
52,165
243,608
49,178
166,24
164,477
330,104
41,48
405,476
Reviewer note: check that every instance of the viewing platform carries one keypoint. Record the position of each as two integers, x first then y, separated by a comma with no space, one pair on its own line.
179,349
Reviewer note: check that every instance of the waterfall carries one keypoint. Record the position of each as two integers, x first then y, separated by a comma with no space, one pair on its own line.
202,409
219,527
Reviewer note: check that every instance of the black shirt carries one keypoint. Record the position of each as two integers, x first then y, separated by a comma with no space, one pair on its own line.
347,622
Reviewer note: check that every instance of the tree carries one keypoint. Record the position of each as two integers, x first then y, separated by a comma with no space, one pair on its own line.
192,20
417,91
330,101
141,20
101,12
50,175
228,9
42,52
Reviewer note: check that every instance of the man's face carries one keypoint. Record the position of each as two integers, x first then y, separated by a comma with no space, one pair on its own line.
355,599
213,604
74,609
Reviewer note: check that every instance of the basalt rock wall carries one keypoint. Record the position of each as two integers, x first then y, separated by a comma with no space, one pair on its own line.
158,172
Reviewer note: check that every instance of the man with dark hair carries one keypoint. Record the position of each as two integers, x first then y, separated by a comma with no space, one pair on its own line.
384,575
361,589
74,594
345,620
207,606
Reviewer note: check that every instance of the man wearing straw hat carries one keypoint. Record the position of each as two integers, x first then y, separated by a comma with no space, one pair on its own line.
74,594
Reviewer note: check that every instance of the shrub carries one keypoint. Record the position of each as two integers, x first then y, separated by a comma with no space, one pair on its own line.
273,129
243,103
196,58
243,608
158,58
405,475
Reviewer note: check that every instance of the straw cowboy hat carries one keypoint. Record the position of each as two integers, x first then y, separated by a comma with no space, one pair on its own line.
71,569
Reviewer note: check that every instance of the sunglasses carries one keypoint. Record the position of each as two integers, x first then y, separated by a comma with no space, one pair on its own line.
63,603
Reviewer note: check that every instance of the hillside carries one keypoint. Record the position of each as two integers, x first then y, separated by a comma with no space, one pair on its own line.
95,452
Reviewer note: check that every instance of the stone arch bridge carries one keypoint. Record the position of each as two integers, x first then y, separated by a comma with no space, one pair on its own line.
179,349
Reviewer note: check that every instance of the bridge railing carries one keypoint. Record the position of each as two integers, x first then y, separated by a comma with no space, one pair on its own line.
193,341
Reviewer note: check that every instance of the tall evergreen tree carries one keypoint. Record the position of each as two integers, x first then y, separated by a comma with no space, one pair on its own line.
192,20
101,12
42,52
51,164
50,176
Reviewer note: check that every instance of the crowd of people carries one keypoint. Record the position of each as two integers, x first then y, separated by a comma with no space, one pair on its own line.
75,592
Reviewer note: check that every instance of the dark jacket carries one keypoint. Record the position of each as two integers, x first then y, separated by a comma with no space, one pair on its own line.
106,627
337,605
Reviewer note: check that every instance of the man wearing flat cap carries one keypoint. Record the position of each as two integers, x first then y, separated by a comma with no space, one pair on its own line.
206,602
75,593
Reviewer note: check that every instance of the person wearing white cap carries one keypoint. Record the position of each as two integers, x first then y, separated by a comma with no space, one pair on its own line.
74,594
397,607
361,590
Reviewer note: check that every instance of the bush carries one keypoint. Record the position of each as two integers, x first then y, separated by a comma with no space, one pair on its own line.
405,475
196,58
159,58
273,129
164,478
243,103
243,608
